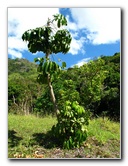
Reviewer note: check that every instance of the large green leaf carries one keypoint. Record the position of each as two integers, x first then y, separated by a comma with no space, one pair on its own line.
63,65
42,79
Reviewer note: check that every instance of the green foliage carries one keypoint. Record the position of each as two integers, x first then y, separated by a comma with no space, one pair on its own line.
46,40
98,85
71,129
110,98
92,77
49,39
22,87
95,85
22,66
43,105
61,20
45,68
63,65
65,89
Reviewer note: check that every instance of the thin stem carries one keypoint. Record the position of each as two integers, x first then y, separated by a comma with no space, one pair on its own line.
52,92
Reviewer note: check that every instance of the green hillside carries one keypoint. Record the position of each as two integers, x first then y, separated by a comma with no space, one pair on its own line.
95,85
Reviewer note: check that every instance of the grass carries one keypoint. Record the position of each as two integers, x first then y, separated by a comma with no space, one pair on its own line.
27,138
104,130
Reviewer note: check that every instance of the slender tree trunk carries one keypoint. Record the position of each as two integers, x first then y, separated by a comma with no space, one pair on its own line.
31,104
53,96
14,100
25,111
22,106
52,92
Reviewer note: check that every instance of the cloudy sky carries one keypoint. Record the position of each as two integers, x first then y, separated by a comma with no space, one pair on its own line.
95,32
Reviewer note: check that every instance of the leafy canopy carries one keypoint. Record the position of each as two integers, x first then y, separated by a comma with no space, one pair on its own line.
50,38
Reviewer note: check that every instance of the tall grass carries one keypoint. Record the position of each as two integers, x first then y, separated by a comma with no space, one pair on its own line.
104,129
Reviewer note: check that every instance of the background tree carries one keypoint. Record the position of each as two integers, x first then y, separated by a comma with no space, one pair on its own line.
23,89
110,100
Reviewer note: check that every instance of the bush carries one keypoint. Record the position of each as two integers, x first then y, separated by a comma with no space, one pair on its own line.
71,129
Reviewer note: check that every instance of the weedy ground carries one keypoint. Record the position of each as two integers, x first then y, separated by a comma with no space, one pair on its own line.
28,138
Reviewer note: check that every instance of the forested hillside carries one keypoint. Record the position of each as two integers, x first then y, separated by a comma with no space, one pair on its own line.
95,86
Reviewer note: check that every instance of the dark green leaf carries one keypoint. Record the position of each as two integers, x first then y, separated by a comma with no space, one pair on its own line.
36,59
63,65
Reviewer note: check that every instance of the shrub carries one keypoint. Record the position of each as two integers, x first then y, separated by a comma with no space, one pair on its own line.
71,129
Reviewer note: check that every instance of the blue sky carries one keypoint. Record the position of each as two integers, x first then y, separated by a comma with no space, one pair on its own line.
95,32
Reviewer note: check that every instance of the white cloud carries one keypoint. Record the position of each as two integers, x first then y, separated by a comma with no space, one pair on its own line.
14,53
16,46
22,19
103,24
29,18
82,62
77,41
96,25
16,43
76,45
71,25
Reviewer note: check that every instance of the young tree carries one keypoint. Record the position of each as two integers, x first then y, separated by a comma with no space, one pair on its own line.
52,39
49,39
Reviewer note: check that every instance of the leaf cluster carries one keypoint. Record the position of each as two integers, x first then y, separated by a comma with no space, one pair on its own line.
71,129
49,39
47,68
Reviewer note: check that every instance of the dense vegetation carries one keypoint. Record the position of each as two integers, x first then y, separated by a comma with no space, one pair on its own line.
95,86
